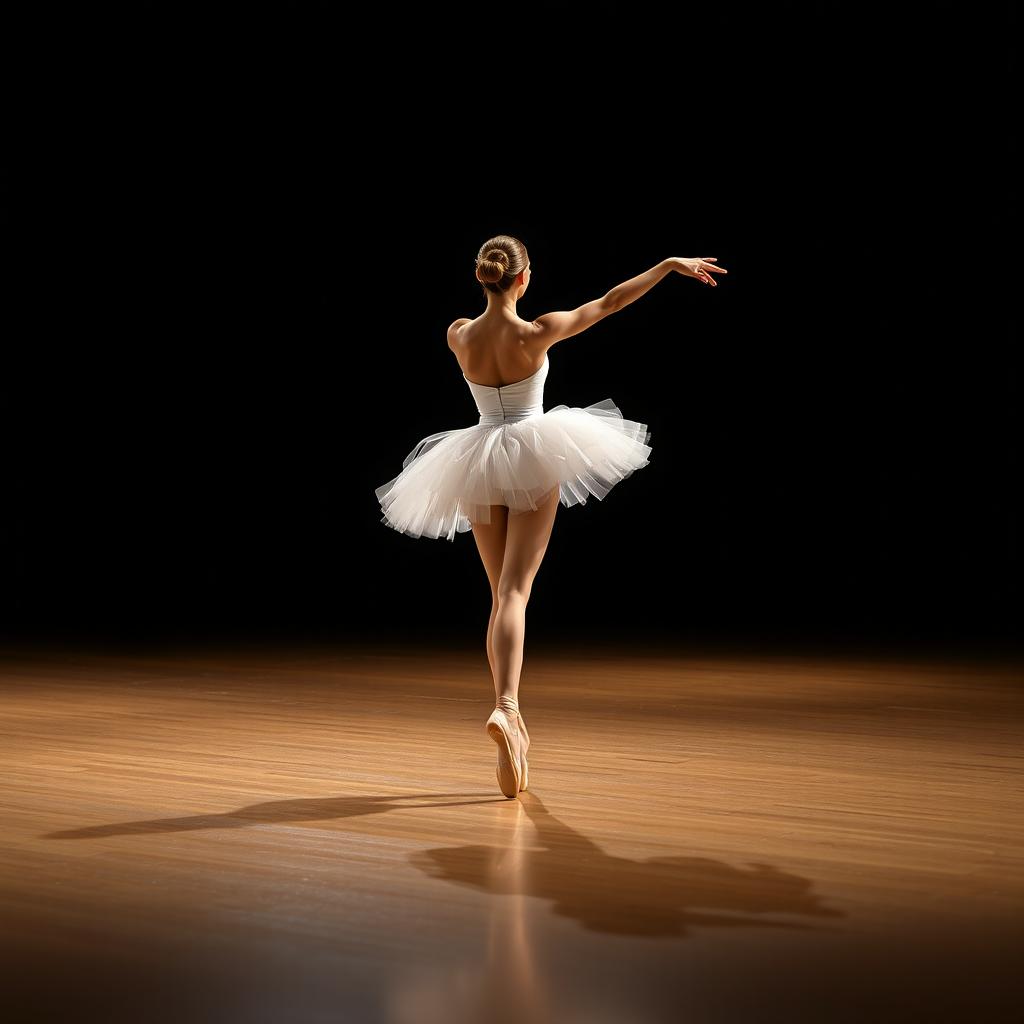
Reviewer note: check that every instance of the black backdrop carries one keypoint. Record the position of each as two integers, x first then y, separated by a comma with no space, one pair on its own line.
232,281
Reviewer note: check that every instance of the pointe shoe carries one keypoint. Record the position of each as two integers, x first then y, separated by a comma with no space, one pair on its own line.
501,730
524,745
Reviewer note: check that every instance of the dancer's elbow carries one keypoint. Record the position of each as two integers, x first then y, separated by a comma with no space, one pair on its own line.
613,302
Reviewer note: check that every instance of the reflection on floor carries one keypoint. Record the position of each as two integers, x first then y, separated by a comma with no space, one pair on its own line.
317,835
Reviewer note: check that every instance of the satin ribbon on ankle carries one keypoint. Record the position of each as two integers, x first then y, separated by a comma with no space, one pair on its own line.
510,706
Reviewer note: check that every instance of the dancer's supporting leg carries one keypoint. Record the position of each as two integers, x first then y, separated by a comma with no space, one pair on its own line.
526,543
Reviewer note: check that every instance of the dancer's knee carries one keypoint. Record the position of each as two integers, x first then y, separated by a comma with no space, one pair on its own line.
513,592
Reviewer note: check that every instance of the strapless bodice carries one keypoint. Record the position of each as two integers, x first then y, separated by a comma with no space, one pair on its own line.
510,402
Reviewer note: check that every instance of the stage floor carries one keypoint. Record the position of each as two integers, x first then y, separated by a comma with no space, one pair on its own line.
297,835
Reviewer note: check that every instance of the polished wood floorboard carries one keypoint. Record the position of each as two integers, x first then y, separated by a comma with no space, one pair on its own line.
317,835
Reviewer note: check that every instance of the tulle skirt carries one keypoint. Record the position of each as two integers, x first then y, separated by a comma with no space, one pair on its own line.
454,476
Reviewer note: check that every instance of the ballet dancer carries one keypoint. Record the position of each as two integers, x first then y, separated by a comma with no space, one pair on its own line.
503,477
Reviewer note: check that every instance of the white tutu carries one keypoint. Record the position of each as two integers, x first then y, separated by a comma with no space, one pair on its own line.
514,457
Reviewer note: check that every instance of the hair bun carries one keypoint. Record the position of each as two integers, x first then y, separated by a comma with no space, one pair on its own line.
493,265
498,256
499,262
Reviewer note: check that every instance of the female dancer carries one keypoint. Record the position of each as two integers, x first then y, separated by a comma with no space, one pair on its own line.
503,477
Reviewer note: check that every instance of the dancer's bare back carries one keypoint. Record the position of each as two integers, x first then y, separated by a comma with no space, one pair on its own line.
499,348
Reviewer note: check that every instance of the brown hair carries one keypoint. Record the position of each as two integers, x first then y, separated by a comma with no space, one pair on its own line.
498,262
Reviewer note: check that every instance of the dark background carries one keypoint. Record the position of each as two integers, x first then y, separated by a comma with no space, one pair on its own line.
238,242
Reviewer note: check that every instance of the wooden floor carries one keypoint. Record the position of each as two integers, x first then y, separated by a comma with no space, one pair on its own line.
317,835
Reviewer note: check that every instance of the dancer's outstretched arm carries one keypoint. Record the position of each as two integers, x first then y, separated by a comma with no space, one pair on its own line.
554,327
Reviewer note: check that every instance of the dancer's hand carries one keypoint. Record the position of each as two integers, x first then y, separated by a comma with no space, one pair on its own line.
701,268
